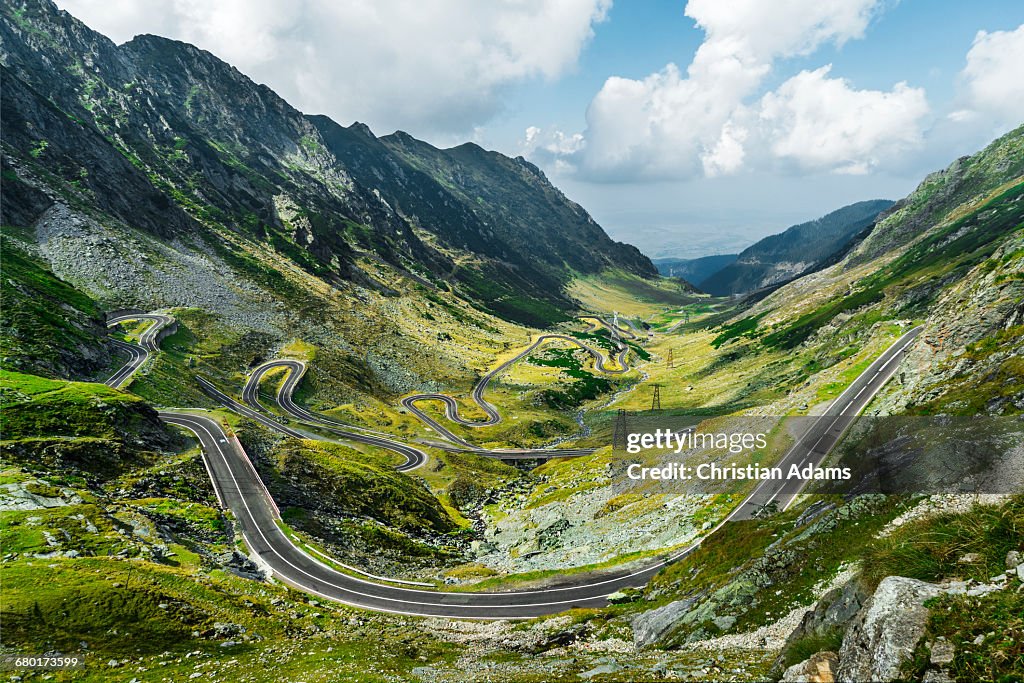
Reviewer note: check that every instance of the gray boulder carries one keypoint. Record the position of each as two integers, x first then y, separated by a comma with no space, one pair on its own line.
650,626
942,653
886,631
832,613
609,668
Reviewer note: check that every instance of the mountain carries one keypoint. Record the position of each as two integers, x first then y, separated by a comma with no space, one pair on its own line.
485,203
800,249
173,141
951,255
152,175
694,269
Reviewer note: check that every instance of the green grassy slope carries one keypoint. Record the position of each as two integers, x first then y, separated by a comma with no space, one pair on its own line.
77,427
46,325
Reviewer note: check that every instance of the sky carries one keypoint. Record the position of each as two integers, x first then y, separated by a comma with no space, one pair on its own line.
685,127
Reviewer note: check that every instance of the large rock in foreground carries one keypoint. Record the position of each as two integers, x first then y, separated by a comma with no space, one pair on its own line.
887,630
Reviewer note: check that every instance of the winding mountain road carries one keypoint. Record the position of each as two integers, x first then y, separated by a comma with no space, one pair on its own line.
137,354
596,322
451,407
415,457
239,488
150,336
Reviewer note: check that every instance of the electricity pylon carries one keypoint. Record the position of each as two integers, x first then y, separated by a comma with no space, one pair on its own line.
656,398
619,435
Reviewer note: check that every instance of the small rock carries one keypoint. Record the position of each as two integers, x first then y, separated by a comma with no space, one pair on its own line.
650,626
724,622
983,589
942,653
226,629
937,676
1013,558
970,558
609,668
819,668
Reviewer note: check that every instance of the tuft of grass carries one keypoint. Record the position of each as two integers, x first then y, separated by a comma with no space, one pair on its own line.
987,634
802,649
200,515
930,549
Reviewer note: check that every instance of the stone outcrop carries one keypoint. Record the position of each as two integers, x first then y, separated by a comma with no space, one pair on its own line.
887,630
650,626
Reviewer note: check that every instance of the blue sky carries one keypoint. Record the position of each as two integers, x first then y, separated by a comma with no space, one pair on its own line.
774,113
921,41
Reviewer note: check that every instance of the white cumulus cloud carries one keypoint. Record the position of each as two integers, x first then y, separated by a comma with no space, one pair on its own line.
430,67
992,78
823,123
708,121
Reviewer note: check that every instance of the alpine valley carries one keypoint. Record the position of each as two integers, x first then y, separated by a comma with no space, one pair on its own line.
403,367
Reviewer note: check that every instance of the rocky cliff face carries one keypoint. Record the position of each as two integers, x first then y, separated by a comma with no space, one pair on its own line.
173,141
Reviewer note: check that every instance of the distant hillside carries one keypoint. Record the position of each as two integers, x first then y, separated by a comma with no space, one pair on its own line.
693,269
950,256
801,249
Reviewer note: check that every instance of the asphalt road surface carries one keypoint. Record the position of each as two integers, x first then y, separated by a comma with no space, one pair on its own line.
296,368
414,457
243,492
136,357
595,322
825,431
148,339
240,489
137,354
